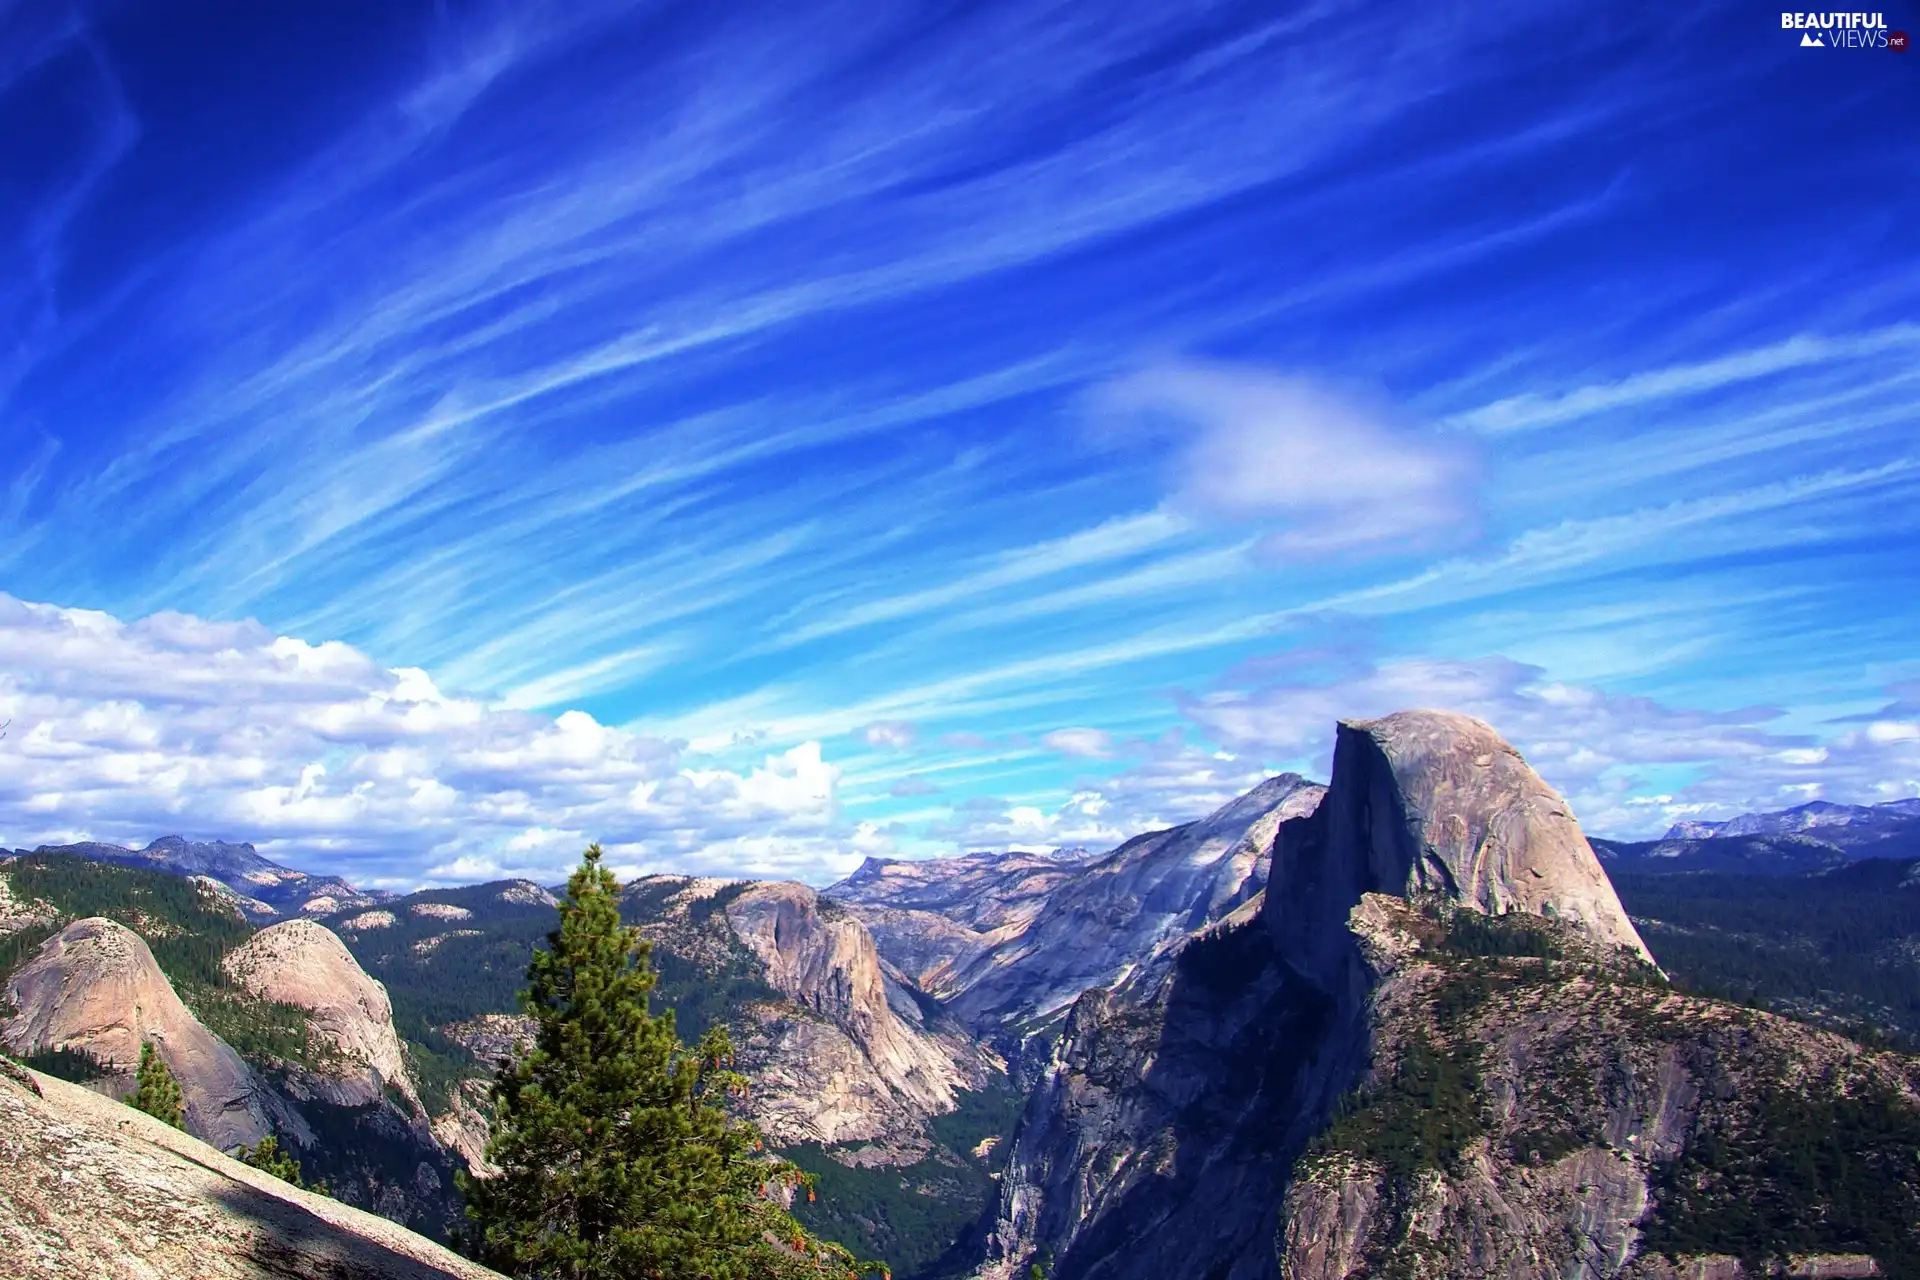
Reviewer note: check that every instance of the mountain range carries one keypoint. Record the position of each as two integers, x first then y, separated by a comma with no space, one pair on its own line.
1397,1024
1810,837
262,889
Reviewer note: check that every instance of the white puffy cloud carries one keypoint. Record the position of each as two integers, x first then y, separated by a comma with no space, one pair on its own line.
1170,782
123,731
1603,750
1339,476
896,734
985,822
1092,744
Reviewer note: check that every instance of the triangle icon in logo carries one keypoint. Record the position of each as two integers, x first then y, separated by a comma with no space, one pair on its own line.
1811,41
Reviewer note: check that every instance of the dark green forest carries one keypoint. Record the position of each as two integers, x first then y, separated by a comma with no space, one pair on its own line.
479,965
1818,1170
911,1215
1841,948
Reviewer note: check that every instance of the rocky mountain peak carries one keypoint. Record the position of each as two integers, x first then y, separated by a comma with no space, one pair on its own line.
206,855
303,963
1122,916
1435,804
95,987
822,957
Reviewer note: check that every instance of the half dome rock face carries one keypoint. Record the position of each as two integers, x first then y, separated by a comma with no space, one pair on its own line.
302,963
94,987
1494,835
1430,803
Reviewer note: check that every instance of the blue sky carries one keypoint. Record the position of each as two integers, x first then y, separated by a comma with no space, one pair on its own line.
433,436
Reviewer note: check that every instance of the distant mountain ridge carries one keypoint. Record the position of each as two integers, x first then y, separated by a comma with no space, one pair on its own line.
265,889
1809,838
1009,941
1887,816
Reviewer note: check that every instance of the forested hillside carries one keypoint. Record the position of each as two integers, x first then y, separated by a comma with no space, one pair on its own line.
190,926
1840,948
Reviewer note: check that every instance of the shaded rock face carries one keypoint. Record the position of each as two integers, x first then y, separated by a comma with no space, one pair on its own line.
88,1186
463,1128
1044,930
1162,1136
94,987
304,964
1128,910
1158,1140
1431,804
360,1123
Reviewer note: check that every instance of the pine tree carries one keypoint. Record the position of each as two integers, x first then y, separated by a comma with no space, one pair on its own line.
269,1157
155,1091
618,1159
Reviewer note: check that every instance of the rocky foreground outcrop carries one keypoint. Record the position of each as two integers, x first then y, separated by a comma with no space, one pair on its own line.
89,1187
94,987
1432,1045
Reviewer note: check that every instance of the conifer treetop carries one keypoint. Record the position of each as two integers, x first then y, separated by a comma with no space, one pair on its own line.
618,1154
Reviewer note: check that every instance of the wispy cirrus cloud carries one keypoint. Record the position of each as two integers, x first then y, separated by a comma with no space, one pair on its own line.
718,379
1533,410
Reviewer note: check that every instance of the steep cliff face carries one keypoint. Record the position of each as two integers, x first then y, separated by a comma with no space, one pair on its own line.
1164,1136
1531,1108
1492,834
90,1187
1043,931
1430,804
372,1140
838,1051
304,964
94,987
931,917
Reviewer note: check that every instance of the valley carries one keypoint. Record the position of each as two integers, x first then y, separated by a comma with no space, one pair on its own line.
1399,1023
